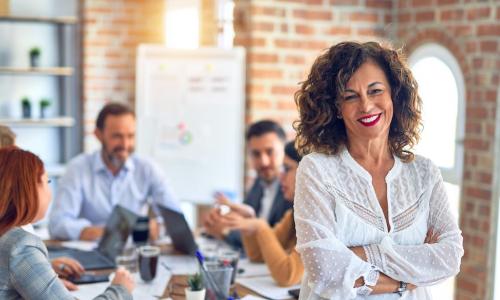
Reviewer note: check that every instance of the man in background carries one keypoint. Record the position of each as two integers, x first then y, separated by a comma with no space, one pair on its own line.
265,142
94,183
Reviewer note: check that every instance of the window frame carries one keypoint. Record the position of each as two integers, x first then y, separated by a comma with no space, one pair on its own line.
452,175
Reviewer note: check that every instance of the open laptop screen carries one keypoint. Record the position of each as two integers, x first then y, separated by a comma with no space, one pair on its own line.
118,228
179,231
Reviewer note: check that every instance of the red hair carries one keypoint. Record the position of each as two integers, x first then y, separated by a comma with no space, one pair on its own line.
20,174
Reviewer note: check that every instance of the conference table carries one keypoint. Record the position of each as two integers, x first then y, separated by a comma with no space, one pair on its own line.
171,280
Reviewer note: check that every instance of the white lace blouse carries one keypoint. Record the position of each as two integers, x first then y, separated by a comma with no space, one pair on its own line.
336,207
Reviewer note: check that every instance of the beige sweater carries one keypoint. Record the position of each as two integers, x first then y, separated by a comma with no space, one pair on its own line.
276,247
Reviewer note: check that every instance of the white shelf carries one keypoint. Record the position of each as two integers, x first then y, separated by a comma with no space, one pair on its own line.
55,170
46,122
51,71
56,20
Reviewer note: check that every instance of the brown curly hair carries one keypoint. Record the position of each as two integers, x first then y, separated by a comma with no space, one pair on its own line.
318,99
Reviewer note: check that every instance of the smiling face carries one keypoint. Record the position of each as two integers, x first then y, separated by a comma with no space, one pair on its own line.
117,138
366,104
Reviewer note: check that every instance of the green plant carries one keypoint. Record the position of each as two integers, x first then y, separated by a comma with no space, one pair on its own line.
195,282
25,101
35,51
44,103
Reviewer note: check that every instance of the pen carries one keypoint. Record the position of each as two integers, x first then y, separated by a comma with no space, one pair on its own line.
166,266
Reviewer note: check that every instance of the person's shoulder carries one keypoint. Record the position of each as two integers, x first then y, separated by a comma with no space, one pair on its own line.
424,167
317,159
17,239
81,159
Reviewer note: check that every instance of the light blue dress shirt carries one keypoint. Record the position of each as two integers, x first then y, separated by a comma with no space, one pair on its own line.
88,192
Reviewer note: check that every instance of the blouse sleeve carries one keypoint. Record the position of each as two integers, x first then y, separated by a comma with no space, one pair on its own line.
425,264
286,268
33,277
331,267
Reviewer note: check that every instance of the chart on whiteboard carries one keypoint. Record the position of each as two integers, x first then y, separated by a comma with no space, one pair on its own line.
190,118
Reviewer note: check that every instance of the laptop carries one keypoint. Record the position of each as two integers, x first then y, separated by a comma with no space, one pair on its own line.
179,231
116,233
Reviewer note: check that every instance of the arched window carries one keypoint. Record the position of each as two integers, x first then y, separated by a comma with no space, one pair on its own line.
441,86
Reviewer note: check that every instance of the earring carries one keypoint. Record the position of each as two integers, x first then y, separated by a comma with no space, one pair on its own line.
339,116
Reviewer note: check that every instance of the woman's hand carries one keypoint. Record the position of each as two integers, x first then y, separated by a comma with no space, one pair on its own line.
65,267
243,210
431,237
245,225
124,278
69,285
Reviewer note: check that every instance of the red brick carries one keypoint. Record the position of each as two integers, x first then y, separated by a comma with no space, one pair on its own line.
338,30
287,105
260,104
284,90
266,73
295,60
452,15
489,46
254,89
404,17
425,16
420,3
262,58
478,193
262,26
489,30
344,2
304,29
385,4
446,2
267,11
317,15
478,13
364,17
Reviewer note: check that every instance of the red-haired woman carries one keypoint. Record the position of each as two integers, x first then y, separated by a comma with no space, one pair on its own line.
25,271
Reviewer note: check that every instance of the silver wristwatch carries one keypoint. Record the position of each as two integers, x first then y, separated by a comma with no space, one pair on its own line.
402,288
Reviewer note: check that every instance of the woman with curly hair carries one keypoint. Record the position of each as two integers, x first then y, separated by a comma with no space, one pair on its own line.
373,220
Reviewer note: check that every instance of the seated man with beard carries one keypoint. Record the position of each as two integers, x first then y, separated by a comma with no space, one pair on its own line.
94,183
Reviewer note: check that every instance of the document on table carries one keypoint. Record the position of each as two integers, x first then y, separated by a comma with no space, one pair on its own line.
250,269
179,264
265,286
80,245
151,290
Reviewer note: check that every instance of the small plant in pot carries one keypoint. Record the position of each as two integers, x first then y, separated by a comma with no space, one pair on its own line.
26,107
35,57
44,105
196,290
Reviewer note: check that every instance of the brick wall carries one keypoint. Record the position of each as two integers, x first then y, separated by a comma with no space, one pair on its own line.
282,39
111,32
471,31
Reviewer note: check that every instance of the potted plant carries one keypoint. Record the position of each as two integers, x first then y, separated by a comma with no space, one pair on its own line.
26,107
35,57
44,105
196,290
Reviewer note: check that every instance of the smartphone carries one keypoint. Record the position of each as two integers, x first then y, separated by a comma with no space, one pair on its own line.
294,293
89,278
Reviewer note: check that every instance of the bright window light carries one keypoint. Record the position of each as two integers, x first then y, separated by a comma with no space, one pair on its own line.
439,93
182,24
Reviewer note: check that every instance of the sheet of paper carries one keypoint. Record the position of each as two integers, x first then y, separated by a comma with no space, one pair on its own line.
80,245
250,297
179,264
250,269
151,290
266,287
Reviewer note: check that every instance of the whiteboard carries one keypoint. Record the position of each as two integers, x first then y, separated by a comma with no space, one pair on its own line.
190,118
